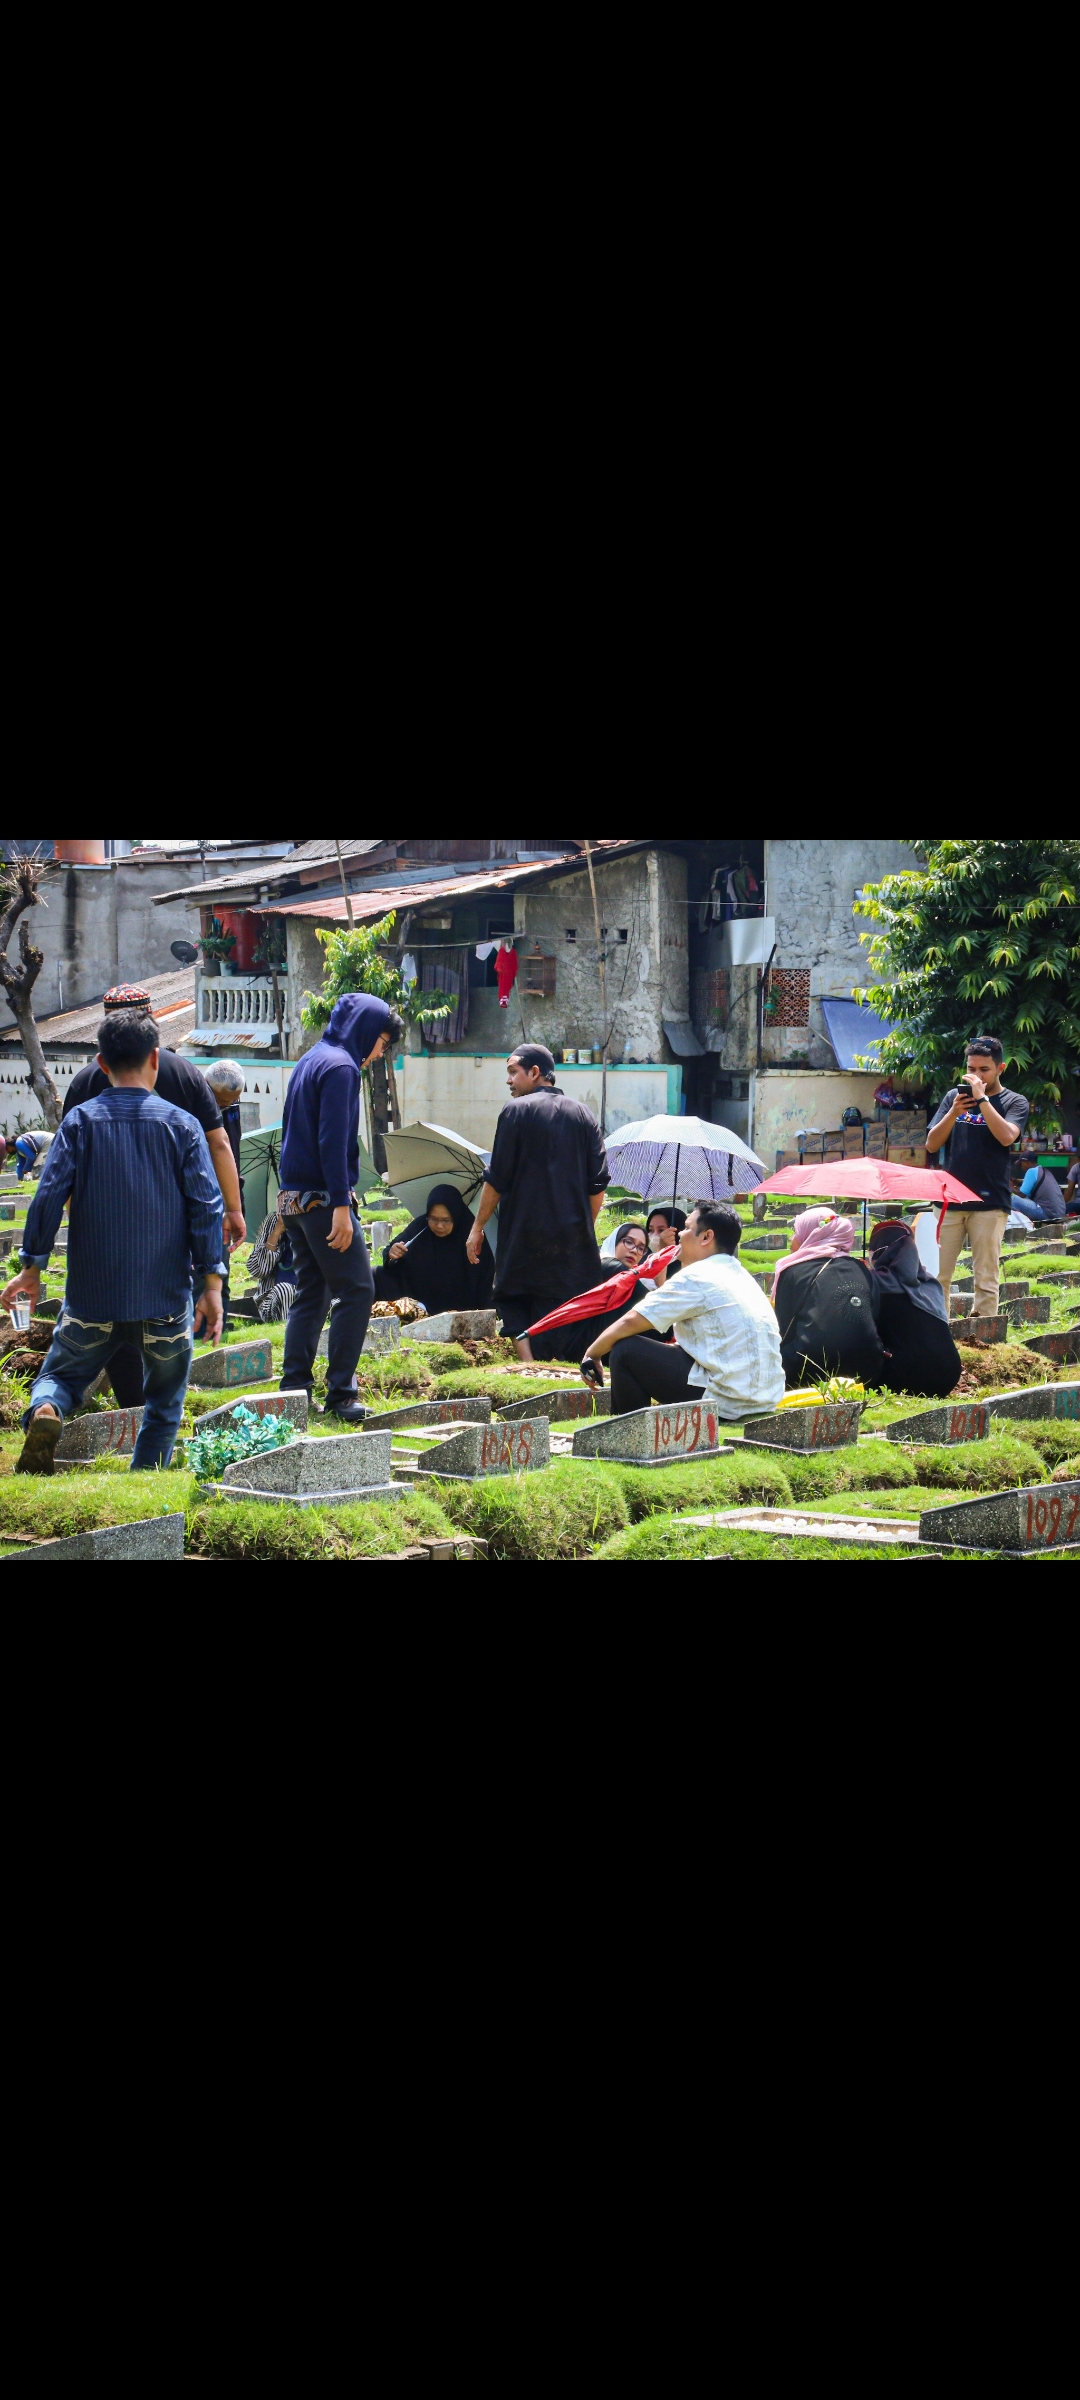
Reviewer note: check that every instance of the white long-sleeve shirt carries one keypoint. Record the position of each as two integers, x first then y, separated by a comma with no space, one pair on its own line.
724,1321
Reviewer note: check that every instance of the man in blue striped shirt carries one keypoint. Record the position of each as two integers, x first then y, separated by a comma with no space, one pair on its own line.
145,1210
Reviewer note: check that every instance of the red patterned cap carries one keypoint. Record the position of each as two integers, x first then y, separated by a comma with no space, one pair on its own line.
126,995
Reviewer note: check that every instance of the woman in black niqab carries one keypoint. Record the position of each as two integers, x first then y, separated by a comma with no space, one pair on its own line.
432,1266
920,1353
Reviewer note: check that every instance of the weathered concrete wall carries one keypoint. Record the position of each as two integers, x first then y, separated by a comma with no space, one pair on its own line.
99,926
466,1092
811,892
648,977
785,1104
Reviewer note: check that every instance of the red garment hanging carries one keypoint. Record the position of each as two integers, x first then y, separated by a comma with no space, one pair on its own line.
506,967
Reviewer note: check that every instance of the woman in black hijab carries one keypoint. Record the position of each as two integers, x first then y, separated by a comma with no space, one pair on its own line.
912,1321
427,1262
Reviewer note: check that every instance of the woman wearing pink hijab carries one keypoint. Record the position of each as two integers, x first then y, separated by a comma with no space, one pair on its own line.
826,1303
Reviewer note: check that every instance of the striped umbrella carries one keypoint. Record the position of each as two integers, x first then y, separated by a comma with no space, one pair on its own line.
663,1156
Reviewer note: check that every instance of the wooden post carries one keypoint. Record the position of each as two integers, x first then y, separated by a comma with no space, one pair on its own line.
279,1015
605,1028
344,885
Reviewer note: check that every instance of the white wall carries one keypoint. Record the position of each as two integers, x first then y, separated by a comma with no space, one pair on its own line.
467,1093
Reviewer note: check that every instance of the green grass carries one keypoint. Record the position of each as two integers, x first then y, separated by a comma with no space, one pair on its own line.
667,1538
556,1515
57,1504
368,1529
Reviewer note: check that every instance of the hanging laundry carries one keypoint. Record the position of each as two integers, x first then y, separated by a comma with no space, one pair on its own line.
409,972
484,949
506,967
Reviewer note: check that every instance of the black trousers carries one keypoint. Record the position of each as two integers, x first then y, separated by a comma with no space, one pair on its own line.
643,1370
323,1275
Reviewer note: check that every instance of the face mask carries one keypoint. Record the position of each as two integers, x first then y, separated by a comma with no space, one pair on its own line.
661,1241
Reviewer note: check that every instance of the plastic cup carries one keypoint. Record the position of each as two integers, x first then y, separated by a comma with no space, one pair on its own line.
20,1312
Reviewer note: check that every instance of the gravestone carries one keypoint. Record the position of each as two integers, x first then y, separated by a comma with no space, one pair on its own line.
338,1467
458,1325
145,1537
832,1426
293,1405
1043,1517
479,1450
113,1432
653,1437
967,1421
1028,1312
1006,1291
1068,1277
559,1407
767,1241
48,1308
382,1336
1060,1401
7,1211
1064,1345
985,1329
234,1363
474,1411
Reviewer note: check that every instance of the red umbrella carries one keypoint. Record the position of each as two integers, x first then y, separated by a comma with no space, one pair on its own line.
871,1179
602,1296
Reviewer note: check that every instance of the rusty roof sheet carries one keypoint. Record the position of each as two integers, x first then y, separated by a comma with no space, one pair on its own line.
378,903
172,999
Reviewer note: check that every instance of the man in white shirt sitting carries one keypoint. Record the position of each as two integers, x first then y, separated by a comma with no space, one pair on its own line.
727,1339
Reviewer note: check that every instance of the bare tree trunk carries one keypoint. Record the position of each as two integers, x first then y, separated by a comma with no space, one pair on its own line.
18,983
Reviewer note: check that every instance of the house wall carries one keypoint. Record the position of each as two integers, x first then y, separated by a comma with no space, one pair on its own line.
98,926
466,1091
787,1103
648,979
812,886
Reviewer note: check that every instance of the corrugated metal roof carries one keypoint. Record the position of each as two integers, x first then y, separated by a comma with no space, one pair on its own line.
378,903
174,992
273,871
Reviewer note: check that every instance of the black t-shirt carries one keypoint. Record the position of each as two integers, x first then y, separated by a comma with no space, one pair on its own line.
974,1155
548,1160
178,1081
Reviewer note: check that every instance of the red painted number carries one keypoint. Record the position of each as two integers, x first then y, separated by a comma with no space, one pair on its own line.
524,1448
1044,1514
695,1420
711,1423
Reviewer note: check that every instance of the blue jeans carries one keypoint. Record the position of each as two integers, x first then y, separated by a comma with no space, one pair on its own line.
323,1275
1030,1208
79,1351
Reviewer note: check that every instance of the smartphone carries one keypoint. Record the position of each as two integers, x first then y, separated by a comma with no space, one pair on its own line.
593,1373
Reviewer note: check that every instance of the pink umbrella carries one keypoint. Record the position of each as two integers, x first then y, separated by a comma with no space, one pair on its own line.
871,1179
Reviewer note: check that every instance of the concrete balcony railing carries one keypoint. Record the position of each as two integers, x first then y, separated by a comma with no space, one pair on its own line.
237,1008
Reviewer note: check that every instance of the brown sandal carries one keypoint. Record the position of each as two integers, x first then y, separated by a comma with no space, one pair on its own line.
39,1449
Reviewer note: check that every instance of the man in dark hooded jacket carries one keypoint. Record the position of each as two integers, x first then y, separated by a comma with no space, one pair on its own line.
320,1162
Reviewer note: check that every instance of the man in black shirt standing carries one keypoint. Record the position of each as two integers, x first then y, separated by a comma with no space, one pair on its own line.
185,1086
975,1128
549,1170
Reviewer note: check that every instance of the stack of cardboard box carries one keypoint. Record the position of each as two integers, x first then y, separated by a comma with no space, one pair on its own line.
907,1136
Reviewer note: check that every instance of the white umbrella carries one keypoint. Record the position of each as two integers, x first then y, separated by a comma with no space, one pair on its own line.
651,1157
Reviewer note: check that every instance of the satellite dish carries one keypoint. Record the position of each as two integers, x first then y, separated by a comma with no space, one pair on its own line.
186,952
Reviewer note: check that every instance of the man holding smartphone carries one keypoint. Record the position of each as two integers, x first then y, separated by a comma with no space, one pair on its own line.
974,1130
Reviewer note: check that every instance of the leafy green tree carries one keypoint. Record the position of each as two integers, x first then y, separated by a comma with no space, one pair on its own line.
353,964
984,939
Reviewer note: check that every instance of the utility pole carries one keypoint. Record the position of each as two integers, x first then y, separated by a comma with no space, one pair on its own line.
605,1027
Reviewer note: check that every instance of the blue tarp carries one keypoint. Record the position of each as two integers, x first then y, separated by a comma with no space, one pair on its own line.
854,1031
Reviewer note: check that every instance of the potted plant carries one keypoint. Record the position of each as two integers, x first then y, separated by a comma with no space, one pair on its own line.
215,947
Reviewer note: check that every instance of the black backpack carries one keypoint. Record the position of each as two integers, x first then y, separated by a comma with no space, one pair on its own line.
834,1330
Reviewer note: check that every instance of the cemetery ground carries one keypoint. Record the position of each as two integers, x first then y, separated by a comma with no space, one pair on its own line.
579,1508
